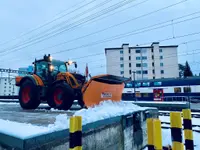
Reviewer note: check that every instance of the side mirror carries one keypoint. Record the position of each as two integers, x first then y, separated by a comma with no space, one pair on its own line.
75,65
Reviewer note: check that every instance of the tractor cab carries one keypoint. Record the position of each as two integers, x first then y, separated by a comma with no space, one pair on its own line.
48,68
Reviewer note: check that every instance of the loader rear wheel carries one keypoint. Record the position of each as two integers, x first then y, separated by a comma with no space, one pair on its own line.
61,96
29,95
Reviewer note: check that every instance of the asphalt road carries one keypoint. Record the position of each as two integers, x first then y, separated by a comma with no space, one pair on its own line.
41,116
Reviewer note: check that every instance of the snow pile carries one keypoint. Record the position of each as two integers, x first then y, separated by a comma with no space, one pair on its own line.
62,122
106,109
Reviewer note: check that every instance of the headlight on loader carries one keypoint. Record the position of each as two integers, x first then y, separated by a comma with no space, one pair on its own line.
51,68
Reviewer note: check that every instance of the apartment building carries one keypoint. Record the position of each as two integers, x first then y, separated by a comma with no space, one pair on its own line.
7,86
148,62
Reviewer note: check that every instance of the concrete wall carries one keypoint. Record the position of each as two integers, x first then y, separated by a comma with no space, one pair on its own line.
118,133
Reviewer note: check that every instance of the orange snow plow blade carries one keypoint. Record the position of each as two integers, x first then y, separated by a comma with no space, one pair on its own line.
101,88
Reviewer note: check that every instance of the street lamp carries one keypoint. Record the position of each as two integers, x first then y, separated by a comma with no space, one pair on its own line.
134,72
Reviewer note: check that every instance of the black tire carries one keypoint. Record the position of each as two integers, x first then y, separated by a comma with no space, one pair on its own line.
61,96
29,95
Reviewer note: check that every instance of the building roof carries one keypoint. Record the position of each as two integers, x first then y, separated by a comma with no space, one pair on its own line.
135,47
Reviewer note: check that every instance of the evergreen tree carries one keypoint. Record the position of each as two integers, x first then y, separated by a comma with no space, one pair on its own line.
181,70
187,70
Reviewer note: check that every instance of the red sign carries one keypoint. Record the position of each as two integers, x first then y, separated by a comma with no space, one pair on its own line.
158,94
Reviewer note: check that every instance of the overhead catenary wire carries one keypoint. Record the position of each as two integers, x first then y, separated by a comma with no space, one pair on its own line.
121,34
115,25
51,21
70,26
145,61
166,39
134,32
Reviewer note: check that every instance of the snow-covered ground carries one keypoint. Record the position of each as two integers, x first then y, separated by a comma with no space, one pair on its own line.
104,110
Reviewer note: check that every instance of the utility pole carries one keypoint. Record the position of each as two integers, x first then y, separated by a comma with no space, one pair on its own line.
134,72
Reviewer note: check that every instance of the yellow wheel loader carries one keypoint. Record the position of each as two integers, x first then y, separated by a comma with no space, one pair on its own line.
52,82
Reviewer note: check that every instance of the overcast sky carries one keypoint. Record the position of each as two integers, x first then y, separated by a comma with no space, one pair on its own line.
18,18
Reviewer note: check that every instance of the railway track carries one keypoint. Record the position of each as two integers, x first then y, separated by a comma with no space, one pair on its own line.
166,125
167,113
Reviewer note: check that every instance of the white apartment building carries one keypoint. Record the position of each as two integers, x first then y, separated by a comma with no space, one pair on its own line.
7,86
148,62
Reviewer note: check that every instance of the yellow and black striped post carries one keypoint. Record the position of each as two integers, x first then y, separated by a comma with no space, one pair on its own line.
150,134
157,134
75,137
176,130
187,123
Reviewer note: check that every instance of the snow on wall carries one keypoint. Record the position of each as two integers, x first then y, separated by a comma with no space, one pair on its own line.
106,110
102,111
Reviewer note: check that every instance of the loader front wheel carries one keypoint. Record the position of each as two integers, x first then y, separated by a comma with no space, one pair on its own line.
61,96
29,96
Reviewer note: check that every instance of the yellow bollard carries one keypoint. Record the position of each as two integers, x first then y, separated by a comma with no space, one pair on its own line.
75,138
176,130
157,134
150,134
187,123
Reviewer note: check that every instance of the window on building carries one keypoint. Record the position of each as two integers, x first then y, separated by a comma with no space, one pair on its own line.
153,64
145,84
161,57
153,77
152,50
177,90
137,58
121,65
5,79
122,72
121,58
162,71
138,65
129,51
160,50
137,84
152,57
137,51
145,95
157,83
161,64
153,71
138,72
129,64
129,57
121,51
130,71
187,89
144,50
138,94
144,64
144,57
145,72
